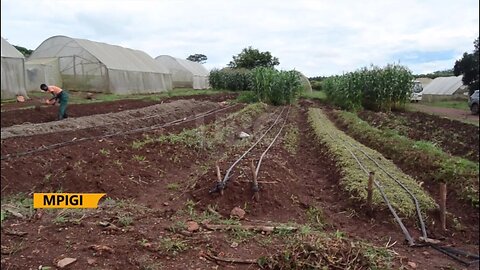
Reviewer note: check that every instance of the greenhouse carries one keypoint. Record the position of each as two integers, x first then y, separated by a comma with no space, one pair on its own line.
444,88
185,73
42,70
13,72
99,67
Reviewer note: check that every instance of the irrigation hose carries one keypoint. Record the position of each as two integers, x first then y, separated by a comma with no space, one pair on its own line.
270,145
453,253
62,144
417,206
407,235
219,186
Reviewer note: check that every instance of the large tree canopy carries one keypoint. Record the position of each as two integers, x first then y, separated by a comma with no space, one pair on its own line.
468,66
251,58
201,58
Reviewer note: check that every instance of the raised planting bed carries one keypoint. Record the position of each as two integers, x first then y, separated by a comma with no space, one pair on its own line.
355,180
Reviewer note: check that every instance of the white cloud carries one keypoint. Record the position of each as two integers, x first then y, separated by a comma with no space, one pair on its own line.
316,37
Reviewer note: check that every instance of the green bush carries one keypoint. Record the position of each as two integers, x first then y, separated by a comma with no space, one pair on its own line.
375,88
230,79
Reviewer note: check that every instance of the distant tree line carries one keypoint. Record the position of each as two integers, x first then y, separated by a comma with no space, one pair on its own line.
26,52
435,74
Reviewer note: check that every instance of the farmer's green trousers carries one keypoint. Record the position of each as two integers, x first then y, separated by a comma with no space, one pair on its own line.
62,112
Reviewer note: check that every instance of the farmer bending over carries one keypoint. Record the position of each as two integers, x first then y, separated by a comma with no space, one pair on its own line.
58,95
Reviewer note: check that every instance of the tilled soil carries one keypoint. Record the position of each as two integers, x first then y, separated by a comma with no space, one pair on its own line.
113,122
454,137
166,178
13,114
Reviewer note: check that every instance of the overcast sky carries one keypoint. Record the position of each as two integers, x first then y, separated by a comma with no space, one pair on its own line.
318,38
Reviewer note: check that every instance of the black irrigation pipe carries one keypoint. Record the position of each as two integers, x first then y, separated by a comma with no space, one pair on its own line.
62,144
220,186
270,145
452,253
417,206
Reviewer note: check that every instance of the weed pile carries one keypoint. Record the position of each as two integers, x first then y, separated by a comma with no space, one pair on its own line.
328,253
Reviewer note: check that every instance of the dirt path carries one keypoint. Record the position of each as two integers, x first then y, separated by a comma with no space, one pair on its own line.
456,114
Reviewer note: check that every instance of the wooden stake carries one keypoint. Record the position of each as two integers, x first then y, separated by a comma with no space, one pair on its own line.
256,195
370,191
219,177
443,205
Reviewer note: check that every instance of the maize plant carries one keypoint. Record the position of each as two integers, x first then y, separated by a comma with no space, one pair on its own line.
275,87
375,88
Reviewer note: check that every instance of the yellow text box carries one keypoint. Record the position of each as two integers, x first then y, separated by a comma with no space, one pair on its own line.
66,200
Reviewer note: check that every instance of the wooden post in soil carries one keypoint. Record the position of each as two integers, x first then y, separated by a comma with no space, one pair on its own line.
219,177
443,205
371,177
256,195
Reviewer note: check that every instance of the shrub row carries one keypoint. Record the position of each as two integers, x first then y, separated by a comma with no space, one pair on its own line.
375,88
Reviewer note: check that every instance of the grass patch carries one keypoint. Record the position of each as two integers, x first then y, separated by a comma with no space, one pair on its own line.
354,179
139,158
173,186
315,95
240,235
207,137
423,157
452,104
18,205
247,97
290,140
173,246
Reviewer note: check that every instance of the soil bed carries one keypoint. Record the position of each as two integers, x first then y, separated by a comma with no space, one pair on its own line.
455,137
160,186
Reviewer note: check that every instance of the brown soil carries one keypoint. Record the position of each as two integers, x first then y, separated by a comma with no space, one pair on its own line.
457,138
307,178
12,114
466,214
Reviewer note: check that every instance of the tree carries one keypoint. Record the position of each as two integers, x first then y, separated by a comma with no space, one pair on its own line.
201,58
251,58
26,52
468,66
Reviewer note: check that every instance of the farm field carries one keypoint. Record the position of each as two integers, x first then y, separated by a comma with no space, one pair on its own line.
157,162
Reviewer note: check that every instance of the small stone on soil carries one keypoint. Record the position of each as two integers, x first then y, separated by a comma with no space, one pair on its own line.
66,262
192,226
412,265
237,212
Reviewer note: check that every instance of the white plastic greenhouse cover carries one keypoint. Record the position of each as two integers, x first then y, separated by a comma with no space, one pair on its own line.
13,72
101,67
185,73
443,86
42,70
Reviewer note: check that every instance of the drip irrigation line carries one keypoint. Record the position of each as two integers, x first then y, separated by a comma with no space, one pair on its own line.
455,254
407,235
219,186
158,126
417,206
273,141
451,252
